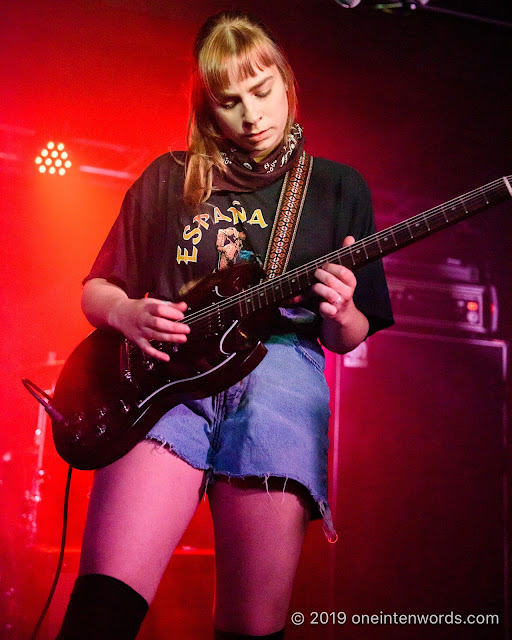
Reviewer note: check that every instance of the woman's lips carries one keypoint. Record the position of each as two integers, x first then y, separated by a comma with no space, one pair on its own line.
256,137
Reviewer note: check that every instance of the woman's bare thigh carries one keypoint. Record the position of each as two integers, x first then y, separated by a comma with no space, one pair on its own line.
259,530
139,509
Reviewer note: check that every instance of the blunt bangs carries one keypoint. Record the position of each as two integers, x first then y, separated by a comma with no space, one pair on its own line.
235,59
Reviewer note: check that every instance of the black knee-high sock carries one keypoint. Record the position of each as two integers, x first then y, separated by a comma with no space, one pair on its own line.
103,608
227,635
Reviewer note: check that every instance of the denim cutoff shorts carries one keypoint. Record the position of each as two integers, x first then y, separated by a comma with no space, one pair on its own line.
273,423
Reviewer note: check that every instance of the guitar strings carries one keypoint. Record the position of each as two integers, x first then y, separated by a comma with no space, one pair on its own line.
338,255
345,252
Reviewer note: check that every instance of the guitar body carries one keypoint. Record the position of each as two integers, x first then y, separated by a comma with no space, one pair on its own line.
110,394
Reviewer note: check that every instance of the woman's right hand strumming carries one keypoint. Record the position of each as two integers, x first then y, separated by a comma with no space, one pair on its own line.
107,306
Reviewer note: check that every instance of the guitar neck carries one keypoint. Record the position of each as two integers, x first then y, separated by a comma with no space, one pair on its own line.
271,293
384,242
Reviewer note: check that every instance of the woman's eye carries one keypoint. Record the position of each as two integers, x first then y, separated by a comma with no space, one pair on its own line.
227,105
263,94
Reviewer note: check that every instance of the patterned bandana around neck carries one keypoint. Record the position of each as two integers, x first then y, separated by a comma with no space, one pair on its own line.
244,174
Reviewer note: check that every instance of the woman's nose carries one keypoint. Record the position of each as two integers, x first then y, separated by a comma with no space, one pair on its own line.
251,113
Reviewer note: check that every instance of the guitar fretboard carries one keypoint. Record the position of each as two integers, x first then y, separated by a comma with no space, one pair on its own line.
271,293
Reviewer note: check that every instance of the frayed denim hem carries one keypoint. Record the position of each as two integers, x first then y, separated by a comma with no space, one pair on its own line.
322,509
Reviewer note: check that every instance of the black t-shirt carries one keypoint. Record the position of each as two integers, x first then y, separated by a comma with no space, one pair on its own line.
156,246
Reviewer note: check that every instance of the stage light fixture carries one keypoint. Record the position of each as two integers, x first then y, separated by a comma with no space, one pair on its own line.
53,159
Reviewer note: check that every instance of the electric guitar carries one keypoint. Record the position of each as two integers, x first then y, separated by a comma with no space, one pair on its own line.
109,393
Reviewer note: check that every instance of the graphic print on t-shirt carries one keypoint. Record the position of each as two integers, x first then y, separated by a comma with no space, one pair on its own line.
229,239
229,244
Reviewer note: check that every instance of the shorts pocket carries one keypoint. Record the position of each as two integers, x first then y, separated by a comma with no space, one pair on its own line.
311,350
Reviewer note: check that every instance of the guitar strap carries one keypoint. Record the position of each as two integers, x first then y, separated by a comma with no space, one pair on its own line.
289,209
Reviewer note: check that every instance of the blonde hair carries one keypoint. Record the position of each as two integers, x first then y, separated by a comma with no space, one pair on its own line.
229,46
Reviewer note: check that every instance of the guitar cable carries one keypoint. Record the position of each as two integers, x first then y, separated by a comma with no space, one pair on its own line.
44,399
61,556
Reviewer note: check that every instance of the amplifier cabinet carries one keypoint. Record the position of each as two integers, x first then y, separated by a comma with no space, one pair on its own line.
419,487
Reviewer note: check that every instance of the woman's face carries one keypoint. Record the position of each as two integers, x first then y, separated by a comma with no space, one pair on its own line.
253,112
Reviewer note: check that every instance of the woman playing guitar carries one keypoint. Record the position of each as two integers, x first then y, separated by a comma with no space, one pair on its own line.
259,447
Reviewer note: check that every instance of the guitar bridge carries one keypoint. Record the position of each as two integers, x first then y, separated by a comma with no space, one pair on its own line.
125,369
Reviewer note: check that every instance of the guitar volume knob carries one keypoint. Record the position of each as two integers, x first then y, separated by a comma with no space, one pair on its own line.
100,430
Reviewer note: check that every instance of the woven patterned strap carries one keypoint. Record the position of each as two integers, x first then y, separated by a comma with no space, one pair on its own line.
288,215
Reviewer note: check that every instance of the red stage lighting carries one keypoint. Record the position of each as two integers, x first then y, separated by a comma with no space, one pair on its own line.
53,159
